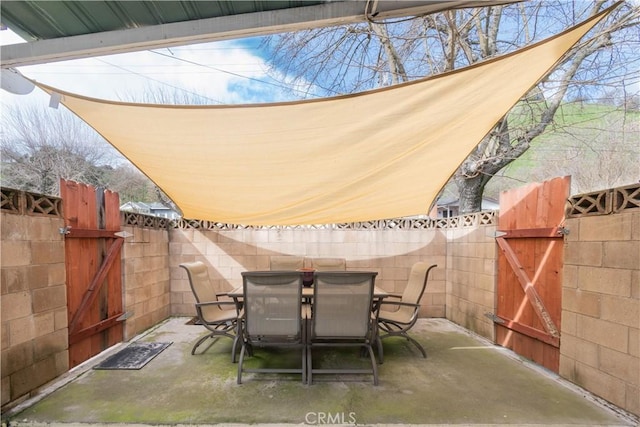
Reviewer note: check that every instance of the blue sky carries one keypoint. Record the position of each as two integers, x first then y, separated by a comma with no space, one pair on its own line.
228,72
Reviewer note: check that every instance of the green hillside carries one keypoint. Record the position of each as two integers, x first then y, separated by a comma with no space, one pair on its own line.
598,145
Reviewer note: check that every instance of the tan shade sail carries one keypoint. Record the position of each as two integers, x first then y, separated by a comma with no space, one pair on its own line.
380,154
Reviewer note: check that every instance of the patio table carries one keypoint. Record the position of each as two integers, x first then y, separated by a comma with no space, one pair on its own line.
307,294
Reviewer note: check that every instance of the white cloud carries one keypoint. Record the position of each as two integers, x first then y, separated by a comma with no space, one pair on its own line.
223,72
9,37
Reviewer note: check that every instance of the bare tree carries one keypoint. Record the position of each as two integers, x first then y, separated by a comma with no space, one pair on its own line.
132,185
358,57
40,146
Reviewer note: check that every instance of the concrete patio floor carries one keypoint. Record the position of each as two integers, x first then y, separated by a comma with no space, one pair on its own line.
464,381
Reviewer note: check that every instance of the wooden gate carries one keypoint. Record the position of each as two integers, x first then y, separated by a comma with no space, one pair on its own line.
530,261
94,283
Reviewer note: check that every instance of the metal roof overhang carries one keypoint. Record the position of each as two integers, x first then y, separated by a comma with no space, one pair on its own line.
64,30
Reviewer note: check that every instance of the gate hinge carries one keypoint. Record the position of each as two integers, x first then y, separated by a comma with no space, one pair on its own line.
563,231
64,230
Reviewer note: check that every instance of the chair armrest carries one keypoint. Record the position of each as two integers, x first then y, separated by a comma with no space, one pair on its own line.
393,295
399,321
224,296
399,303
222,305
214,303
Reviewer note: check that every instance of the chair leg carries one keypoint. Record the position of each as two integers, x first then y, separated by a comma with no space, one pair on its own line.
304,364
374,365
398,334
200,341
380,350
417,344
304,331
309,366
236,344
242,351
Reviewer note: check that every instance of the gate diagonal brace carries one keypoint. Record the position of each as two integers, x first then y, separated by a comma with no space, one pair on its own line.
528,288
96,284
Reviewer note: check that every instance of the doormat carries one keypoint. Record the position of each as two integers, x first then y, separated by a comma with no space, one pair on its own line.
134,356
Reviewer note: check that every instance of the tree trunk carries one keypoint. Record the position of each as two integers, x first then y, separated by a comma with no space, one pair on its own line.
471,190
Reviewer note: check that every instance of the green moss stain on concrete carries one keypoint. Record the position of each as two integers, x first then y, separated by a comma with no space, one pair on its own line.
462,381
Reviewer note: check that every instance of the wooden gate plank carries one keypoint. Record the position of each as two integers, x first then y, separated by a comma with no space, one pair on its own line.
77,258
91,260
114,277
552,273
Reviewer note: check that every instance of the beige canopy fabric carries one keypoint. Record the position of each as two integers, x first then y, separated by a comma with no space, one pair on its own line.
382,154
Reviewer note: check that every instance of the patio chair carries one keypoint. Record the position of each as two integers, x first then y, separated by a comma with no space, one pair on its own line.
399,312
286,263
328,264
219,317
272,317
342,317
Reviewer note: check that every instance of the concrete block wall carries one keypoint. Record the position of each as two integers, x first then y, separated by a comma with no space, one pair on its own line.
471,278
34,304
145,257
600,347
229,252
